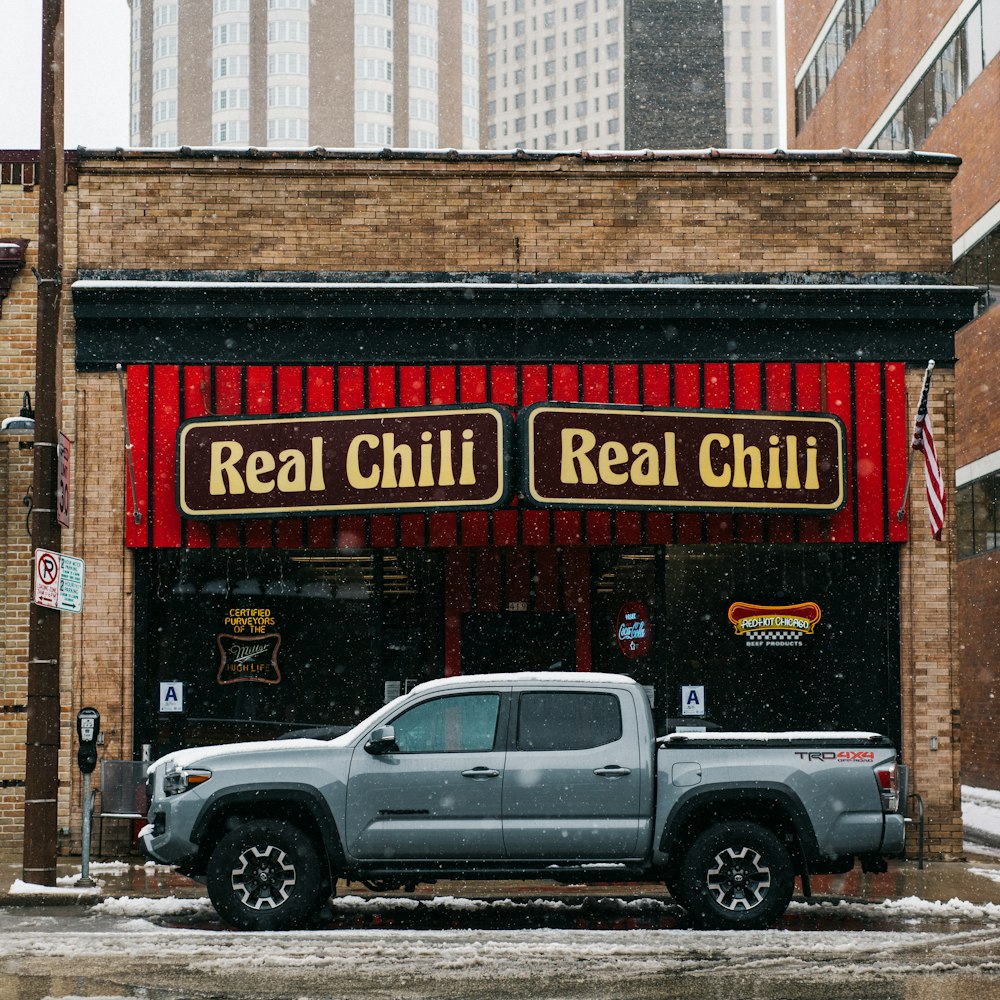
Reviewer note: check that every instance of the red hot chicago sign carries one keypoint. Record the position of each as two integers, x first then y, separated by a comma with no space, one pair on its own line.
458,458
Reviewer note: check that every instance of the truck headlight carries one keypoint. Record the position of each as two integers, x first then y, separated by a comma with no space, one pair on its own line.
183,778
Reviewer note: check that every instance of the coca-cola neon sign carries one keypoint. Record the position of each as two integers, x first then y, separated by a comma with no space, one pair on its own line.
633,630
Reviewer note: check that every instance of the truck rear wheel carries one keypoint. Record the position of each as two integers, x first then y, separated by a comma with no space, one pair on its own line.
736,875
265,875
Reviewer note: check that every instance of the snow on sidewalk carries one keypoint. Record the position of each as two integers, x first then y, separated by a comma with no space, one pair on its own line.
981,819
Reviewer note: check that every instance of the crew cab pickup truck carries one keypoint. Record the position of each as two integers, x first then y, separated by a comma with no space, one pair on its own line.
555,776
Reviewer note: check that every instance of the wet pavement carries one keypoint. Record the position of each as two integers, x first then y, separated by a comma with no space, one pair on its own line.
975,880
148,933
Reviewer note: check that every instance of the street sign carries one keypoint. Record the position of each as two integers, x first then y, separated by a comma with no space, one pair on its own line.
58,581
62,493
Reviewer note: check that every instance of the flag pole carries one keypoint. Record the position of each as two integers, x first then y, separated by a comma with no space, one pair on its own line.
914,442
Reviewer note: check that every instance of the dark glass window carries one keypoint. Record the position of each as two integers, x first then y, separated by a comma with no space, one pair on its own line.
981,266
831,53
977,516
455,724
957,65
567,720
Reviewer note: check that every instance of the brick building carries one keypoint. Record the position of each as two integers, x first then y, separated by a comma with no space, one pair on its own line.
904,76
792,300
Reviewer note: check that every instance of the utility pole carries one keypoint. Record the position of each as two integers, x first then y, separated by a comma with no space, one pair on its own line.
41,773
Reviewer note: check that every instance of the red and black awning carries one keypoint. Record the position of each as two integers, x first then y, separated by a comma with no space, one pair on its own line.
869,398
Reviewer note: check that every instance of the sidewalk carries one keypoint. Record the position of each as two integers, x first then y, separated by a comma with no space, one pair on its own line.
976,881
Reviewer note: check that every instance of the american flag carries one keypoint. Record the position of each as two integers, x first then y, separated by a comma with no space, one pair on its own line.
923,440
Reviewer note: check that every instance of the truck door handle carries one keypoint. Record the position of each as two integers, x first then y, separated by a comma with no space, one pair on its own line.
481,772
613,771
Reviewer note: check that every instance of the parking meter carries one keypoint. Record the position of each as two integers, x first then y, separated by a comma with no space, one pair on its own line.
88,726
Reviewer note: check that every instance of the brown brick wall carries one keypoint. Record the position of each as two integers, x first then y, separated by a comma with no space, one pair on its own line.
18,218
978,578
928,654
883,56
977,415
892,43
289,213
714,215
962,131
978,582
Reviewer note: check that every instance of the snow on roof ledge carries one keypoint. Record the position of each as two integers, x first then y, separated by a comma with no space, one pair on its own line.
537,155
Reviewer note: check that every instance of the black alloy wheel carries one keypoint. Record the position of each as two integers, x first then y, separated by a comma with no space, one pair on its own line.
265,876
736,875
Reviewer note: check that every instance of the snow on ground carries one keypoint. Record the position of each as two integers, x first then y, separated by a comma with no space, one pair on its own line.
981,817
910,908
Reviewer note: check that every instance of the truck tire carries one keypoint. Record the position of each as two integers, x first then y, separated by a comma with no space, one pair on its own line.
736,876
265,875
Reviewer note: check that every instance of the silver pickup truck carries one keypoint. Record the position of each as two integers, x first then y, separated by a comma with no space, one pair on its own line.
524,776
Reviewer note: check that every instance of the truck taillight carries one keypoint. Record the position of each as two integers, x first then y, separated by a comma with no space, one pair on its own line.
888,782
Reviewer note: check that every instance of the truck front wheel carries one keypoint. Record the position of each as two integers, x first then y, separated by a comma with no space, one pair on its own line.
736,875
265,875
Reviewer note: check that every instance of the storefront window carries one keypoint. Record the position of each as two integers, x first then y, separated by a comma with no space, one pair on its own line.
773,637
267,643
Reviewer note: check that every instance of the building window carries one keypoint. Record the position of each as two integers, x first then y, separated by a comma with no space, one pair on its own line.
373,100
164,79
422,139
423,13
380,8
164,14
230,131
287,97
164,111
977,516
230,6
423,45
288,31
372,69
372,36
372,133
288,4
962,58
423,110
980,266
842,34
165,47
288,64
420,76
227,100
231,33
230,66
296,129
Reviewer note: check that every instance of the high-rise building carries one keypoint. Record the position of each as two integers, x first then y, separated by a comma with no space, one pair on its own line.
604,74
893,75
753,67
542,74
337,73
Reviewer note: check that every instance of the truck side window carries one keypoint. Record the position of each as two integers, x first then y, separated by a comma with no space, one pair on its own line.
459,724
567,720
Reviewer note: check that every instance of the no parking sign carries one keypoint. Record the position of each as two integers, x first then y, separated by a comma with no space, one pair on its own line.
58,581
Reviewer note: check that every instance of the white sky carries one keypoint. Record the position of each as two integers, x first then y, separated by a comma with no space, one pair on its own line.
97,72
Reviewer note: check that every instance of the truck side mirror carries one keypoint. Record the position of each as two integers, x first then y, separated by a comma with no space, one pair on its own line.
382,740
